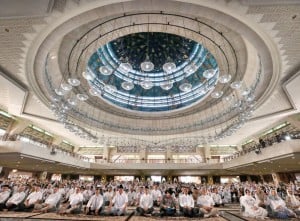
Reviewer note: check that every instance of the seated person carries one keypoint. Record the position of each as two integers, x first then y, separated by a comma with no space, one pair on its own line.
119,202
186,203
156,195
4,195
108,195
251,208
206,204
50,203
96,203
74,204
261,198
14,202
33,198
278,206
168,204
216,198
146,203
293,202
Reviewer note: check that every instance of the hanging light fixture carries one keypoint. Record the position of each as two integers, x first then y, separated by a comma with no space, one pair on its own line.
190,69
216,94
126,85
147,65
66,86
82,97
74,82
209,73
146,84
224,79
125,67
88,75
167,85
185,87
105,70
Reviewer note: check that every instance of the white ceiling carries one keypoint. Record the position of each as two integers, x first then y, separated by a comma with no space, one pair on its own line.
20,28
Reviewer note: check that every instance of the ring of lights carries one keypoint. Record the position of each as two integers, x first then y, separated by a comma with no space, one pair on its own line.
111,121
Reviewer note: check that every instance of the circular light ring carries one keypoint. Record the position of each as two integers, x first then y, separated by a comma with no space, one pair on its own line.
127,85
224,79
185,87
66,86
169,67
147,66
82,97
228,98
105,70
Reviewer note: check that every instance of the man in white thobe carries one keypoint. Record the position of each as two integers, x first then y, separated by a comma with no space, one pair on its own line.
96,204
119,203
146,203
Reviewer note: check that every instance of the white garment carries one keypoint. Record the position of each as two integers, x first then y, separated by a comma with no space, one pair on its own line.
216,198
95,202
53,199
251,208
146,201
156,194
108,195
4,196
120,200
186,200
75,198
16,198
34,197
205,200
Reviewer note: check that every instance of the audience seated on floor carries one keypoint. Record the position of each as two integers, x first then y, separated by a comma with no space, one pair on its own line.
174,198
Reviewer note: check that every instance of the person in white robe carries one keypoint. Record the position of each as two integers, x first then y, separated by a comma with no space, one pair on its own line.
250,207
119,203
14,202
50,203
146,203
4,195
95,204
278,207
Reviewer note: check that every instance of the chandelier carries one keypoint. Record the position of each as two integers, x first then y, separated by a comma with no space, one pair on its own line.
165,72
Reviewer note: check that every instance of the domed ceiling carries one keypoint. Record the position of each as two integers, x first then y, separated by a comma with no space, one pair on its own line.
183,72
149,77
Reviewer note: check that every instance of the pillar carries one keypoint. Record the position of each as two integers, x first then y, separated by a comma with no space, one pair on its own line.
207,154
17,127
168,155
210,179
143,154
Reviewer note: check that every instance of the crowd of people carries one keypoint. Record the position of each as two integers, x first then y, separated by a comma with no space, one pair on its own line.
170,198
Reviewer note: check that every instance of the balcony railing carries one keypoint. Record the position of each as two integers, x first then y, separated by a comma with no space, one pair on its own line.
156,161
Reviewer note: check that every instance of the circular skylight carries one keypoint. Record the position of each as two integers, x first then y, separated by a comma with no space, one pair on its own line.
162,72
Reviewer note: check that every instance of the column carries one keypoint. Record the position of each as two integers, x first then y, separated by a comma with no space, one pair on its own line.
207,153
17,127
143,154
168,155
